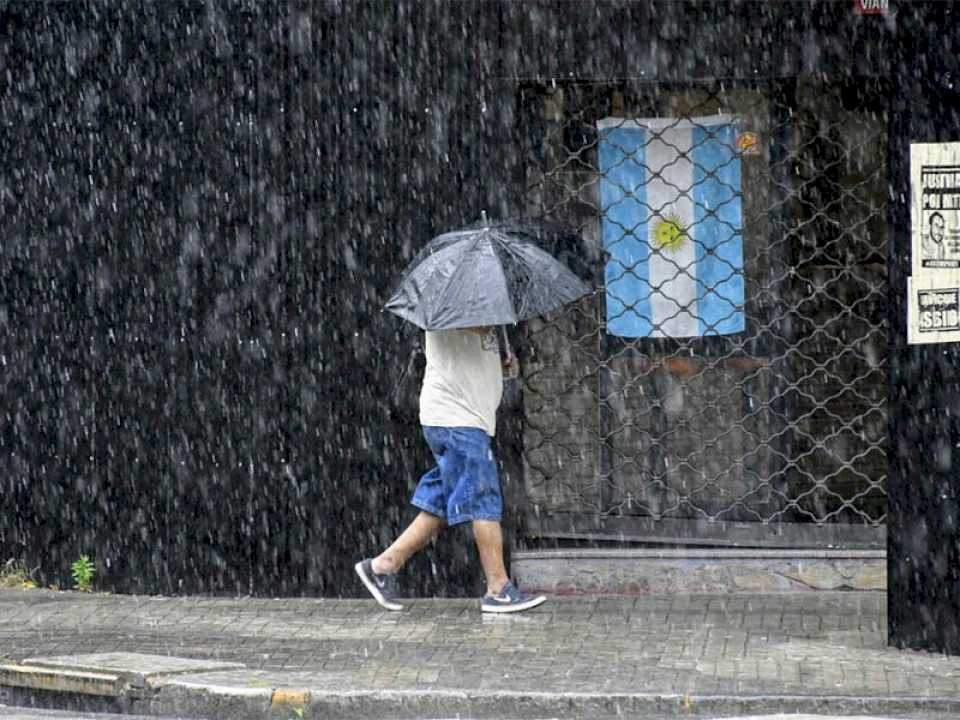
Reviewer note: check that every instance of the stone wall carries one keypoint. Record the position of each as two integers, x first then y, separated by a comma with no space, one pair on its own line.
649,572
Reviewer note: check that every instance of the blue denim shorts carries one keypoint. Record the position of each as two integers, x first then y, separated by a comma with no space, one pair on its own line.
464,485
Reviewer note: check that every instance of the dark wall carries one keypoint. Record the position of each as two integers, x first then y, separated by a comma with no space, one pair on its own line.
924,489
203,205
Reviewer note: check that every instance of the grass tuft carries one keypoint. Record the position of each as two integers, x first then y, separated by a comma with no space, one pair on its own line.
16,574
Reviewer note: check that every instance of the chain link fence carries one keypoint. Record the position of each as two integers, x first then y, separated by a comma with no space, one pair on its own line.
726,384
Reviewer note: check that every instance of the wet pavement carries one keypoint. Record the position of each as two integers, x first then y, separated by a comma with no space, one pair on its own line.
655,656
12,713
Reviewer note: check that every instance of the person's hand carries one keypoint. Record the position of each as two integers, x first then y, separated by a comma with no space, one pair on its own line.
511,366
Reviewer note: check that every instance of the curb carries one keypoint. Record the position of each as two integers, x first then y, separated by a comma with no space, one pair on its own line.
495,705
182,698
152,685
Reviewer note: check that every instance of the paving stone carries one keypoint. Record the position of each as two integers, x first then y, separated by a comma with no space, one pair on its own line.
819,646
135,663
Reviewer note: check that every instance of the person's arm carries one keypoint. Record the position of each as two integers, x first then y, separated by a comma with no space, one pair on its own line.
510,363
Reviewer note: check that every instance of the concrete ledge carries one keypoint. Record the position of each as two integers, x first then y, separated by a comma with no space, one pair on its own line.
429,705
698,570
223,702
193,698
188,700
60,680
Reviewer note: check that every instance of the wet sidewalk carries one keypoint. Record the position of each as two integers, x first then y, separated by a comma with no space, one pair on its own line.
652,656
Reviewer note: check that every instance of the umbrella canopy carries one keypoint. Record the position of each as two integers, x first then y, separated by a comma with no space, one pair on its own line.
490,273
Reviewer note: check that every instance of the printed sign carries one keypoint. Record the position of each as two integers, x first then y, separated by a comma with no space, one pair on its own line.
871,7
933,312
935,207
938,310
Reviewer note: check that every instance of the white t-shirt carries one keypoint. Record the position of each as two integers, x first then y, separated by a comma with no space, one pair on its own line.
463,382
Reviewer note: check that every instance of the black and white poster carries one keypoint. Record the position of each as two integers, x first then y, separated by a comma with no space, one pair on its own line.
934,313
933,303
935,207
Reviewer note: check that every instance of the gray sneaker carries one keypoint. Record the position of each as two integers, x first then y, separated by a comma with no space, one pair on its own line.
510,599
382,587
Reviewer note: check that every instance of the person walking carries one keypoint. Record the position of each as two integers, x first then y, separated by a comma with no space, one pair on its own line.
462,388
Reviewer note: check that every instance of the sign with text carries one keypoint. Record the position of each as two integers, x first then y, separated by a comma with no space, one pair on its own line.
871,7
935,208
933,311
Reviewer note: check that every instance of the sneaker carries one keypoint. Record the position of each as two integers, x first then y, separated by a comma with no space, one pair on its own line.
510,599
382,587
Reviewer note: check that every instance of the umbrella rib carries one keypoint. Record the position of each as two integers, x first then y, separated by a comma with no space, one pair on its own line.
499,248
503,276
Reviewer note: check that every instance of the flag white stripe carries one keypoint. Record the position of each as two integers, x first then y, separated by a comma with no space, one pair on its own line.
673,305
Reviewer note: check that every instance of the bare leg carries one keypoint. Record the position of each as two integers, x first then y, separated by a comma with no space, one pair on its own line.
490,546
418,533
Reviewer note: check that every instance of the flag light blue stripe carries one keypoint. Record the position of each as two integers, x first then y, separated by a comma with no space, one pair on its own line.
621,158
719,248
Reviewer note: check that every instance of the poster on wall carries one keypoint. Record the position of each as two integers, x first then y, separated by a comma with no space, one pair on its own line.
933,292
935,208
933,309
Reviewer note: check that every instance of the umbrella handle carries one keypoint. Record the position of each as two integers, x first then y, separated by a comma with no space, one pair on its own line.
514,371
506,341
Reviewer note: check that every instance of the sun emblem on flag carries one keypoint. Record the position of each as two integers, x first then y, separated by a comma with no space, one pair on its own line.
669,233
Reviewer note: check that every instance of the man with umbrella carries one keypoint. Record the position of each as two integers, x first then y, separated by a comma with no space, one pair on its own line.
460,286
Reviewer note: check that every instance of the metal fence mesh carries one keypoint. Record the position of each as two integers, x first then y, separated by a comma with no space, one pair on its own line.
775,434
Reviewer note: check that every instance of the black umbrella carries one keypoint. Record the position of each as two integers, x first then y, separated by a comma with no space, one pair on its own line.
490,273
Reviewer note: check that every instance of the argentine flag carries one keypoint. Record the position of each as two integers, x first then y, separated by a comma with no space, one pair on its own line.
672,219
